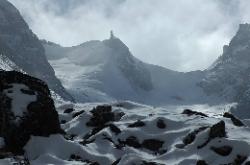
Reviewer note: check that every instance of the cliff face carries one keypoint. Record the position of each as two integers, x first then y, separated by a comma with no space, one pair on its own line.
19,44
227,76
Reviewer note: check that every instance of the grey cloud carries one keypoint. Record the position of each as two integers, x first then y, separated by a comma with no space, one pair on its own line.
182,35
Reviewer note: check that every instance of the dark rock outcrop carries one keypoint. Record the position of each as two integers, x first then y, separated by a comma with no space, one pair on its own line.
192,135
39,118
235,120
102,115
149,144
114,129
161,124
138,123
201,162
223,151
217,130
78,113
190,113
152,144
69,110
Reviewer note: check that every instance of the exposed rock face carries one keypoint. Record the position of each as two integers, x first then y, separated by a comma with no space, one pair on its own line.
26,108
132,68
19,44
228,77
190,113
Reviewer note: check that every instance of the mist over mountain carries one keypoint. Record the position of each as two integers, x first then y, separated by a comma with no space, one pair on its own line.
107,71
97,104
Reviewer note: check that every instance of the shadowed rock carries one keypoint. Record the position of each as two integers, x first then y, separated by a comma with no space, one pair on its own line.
190,113
223,151
235,121
39,118
217,130
192,135
201,162
160,124
138,123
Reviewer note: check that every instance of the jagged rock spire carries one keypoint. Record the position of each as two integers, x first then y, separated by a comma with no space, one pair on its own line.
112,36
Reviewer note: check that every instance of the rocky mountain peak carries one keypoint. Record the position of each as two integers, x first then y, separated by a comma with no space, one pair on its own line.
116,44
227,75
240,43
131,67
21,46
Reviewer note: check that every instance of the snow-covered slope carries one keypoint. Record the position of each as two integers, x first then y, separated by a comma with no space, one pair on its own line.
106,70
99,71
21,46
117,133
7,64
128,133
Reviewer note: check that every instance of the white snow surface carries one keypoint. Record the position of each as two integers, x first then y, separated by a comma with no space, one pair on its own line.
94,72
19,100
57,150
7,64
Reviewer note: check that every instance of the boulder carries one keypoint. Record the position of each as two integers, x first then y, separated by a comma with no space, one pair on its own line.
152,144
138,123
161,124
102,115
190,113
189,138
223,151
218,130
201,162
235,120
26,109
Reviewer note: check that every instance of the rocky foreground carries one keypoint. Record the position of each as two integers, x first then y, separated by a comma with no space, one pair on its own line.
125,133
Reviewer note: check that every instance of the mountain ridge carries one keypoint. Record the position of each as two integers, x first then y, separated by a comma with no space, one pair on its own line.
158,83
20,45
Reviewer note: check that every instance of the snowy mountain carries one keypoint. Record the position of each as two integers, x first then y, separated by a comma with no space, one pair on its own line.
228,77
190,118
121,133
107,71
22,48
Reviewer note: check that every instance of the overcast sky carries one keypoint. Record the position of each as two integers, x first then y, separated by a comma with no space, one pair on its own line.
182,35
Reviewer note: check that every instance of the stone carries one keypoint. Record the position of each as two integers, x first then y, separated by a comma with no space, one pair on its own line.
218,130
152,144
160,124
190,113
223,151
138,123
78,114
39,119
69,110
201,162
235,120
114,129
192,135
